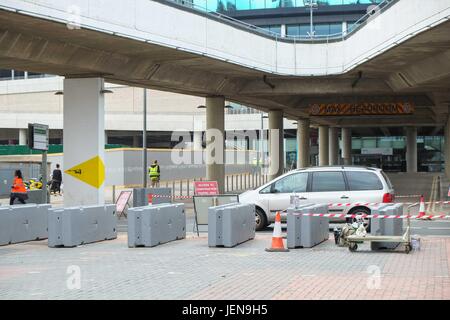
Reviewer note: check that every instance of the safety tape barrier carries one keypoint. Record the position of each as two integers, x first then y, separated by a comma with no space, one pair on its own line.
355,204
375,216
166,196
367,204
409,196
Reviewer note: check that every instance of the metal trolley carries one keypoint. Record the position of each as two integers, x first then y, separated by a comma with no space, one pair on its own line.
405,239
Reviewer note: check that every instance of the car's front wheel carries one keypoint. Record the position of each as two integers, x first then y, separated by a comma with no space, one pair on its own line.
260,219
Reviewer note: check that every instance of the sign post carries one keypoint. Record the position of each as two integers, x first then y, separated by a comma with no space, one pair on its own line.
38,139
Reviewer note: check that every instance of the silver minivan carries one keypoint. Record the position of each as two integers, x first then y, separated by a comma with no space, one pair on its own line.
321,185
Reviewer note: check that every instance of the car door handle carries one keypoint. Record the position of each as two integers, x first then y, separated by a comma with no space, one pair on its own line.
303,198
345,197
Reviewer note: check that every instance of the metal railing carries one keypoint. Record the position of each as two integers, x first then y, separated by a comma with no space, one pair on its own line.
381,7
234,183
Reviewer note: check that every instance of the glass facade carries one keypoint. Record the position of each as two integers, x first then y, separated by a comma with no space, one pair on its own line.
274,29
319,28
389,153
233,5
18,75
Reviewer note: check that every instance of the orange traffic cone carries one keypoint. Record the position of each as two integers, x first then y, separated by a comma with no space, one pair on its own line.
277,239
421,208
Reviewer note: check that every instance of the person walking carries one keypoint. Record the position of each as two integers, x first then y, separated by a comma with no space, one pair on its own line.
56,180
154,173
18,190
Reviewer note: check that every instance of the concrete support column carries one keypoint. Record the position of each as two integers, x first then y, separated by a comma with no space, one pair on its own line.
303,141
84,142
23,135
447,145
411,149
347,146
276,144
323,146
137,141
198,140
333,157
215,141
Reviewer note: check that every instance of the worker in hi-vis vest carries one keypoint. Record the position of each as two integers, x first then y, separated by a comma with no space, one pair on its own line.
154,173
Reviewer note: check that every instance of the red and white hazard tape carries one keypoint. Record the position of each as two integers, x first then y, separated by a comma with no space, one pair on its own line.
165,196
373,216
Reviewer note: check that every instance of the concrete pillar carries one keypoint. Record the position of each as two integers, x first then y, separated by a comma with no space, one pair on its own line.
23,136
283,30
447,146
323,146
137,141
198,140
411,149
84,142
333,157
276,144
215,141
347,146
303,141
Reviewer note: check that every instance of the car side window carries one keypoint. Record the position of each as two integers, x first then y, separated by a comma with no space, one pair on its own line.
297,182
362,181
328,181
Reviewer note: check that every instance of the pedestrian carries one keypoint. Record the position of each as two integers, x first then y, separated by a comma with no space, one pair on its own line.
56,180
154,173
18,190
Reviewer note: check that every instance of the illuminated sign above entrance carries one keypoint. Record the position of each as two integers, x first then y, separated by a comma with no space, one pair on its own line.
361,109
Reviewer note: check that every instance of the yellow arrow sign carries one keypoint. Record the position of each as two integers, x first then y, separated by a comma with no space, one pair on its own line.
91,172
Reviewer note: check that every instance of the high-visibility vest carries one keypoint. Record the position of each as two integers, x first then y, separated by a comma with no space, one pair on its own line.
18,186
153,172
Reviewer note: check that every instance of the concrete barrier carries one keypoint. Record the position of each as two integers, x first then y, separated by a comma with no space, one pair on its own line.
157,224
231,224
36,196
22,223
304,231
386,227
140,196
71,227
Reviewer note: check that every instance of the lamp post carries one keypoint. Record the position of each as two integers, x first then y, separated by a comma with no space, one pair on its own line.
144,140
312,4
261,153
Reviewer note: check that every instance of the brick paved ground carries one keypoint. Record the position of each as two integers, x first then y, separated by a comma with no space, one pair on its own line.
188,269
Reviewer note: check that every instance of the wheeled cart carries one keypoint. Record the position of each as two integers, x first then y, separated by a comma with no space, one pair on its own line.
405,239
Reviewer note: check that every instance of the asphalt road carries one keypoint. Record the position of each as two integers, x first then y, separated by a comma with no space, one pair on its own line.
421,228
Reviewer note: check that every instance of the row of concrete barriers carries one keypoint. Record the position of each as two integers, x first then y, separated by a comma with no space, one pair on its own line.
149,226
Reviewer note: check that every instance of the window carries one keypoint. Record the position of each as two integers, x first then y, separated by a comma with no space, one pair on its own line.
321,29
361,181
5,74
293,183
274,29
328,181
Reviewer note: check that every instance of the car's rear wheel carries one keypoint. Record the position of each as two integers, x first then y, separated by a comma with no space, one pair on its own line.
360,212
260,219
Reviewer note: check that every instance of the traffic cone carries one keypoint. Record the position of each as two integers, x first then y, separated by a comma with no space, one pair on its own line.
421,208
277,238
